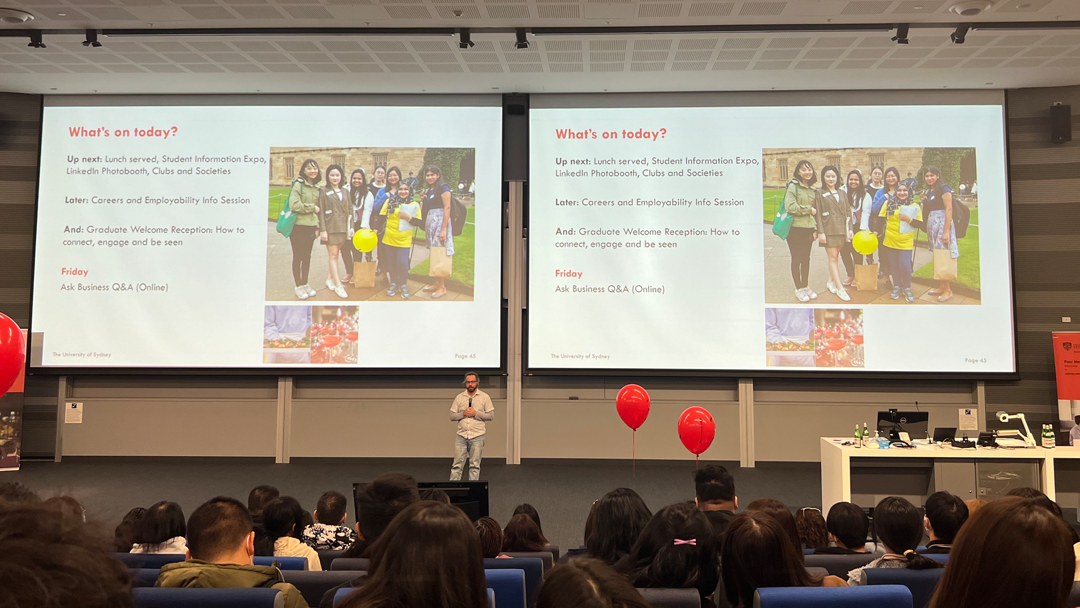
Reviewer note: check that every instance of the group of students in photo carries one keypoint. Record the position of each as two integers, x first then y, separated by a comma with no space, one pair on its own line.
833,212
336,210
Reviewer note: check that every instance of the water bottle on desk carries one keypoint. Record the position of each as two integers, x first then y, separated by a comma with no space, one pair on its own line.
858,436
1048,439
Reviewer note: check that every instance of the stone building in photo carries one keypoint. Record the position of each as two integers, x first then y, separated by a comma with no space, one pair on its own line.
285,162
779,163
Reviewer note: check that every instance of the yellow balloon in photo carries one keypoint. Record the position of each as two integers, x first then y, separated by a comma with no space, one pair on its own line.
865,242
365,240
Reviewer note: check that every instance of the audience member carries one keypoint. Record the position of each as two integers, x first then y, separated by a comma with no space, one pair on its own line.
898,527
378,503
436,495
429,556
13,492
974,505
1010,553
124,535
257,499
758,552
812,529
534,515
945,513
67,506
1044,501
161,530
280,520
221,543
522,535
329,531
590,525
618,519
49,560
779,510
491,537
677,549
714,490
587,583
848,526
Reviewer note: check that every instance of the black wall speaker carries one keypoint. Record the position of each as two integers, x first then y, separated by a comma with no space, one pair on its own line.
1060,123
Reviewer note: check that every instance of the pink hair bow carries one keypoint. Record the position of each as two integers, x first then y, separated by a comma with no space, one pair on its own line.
692,541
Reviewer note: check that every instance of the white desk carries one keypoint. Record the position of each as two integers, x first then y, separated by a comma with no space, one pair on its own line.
836,463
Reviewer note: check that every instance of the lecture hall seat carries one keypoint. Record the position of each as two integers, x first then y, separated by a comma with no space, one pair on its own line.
313,584
149,560
509,586
157,597
921,583
878,596
350,563
283,563
554,551
546,556
144,577
531,566
839,565
671,598
343,593
327,556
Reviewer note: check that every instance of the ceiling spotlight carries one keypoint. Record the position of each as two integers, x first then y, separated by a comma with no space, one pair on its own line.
35,40
901,36
91,39
465,39
522,41
960,35
970,8
14,16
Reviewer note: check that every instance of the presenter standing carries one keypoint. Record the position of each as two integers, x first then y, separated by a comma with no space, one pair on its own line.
471,409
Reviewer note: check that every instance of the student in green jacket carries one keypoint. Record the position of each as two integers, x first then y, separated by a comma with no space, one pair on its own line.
304,202
799,202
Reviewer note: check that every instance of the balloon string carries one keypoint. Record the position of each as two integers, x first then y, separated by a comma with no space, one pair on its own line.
697,459
633,454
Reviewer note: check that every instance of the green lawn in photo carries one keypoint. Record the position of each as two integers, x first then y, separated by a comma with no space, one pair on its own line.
464,253
278,198
774,197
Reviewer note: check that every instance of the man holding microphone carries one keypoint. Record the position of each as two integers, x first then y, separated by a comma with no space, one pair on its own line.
470,410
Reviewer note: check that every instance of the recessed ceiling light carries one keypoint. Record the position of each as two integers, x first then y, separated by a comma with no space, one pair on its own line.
970,8
1023,5
61,14
11,15
919,7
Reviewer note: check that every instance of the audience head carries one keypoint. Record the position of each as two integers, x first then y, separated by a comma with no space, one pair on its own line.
428,556
124,535
531,511
280,519
587,583
436,495
677,549
219,531
897,525
51,560
848,525
331,508
812,529
617,520
974,505
381,500
1042,500
491,537
759,552
13,492
779,510
258,497
162,521
945,513
67,506
715,488
1011,552
522,535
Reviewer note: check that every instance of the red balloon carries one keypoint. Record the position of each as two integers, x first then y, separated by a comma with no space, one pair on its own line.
697,429
12,352
633,405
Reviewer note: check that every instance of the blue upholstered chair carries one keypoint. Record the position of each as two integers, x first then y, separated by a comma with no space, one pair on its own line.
284,563
921,583
350,563
157,597
839,565
878,596
312,584
144,577
149,560
509,586
546,556
938,557
343,593
327,557
533,569
672,598
554,551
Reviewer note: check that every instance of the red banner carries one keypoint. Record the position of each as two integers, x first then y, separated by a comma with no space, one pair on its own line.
1067,363
11,416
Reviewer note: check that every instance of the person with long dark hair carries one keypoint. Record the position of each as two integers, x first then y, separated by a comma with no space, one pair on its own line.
304,202
362,201
282,525
335,224
522,535
124,534
781,513
833,225
397,239
437,227
757,553
861,202
587,583
892,181
618,519
812,530
161,530
429,556
939,227
491,537
1009,553
799,202
533,514
898,527
898,247
676,550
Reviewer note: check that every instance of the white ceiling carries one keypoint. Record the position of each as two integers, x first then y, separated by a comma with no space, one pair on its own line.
642,62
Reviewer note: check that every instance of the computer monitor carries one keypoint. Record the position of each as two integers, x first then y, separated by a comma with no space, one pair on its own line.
891,423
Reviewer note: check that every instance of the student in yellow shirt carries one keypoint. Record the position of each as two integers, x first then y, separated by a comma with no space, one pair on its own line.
898,247
399,208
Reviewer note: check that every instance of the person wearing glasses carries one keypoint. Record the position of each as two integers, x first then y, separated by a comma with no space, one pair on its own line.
471,409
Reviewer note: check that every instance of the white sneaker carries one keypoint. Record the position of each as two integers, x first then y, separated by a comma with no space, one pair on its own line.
341,293
831,286
302,293
802,296
811,293
311,291
330,284
843,295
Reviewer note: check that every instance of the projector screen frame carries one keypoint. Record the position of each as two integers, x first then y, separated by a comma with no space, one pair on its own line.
437,100
731,99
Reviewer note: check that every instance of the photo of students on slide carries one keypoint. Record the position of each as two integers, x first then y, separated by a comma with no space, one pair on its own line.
920,206
814,337
418,248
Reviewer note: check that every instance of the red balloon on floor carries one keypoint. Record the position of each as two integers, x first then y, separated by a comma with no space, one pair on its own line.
12,352
697,429
633,405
